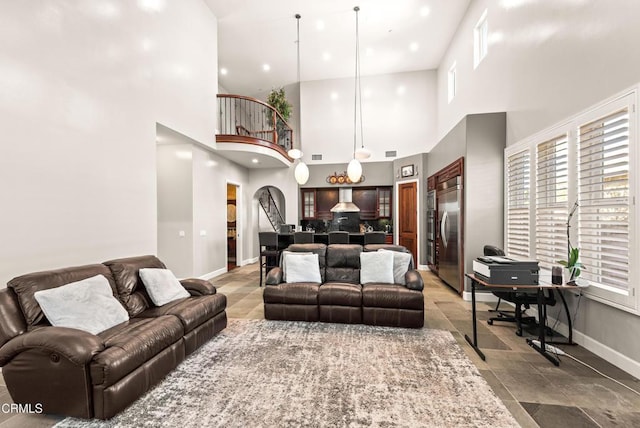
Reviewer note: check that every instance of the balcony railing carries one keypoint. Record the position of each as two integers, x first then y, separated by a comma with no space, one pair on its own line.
252,119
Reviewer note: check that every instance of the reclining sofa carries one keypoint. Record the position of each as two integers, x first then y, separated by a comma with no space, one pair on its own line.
75,373
340,297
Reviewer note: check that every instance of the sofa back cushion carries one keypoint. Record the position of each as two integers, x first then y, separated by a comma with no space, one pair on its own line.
319,249
129,286
25,287
343,263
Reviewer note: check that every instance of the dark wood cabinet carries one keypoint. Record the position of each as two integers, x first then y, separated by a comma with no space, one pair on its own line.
325,200
384,202
308,197
367,200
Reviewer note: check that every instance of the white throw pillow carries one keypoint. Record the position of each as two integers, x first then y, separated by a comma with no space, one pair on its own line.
283,260
376,266
162,285
87,305
303,268
400,265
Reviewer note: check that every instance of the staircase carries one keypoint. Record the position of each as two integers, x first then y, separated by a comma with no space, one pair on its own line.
270,208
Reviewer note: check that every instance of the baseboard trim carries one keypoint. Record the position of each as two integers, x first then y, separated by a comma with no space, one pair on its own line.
250,261
210,275
424,267
480,297
603,351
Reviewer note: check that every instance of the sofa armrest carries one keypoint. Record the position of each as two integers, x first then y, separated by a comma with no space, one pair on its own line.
413,280
198,287
77,346
274,276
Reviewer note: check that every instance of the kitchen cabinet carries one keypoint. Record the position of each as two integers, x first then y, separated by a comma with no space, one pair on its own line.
384,202
367,200
325,200
308,197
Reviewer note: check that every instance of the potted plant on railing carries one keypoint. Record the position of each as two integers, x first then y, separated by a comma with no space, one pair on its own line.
278,100
573,265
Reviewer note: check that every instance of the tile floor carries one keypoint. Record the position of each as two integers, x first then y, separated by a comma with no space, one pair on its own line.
535,391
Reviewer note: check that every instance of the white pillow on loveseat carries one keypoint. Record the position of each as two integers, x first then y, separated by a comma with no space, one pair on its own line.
162,286
400,265
87,305
303,268
376,266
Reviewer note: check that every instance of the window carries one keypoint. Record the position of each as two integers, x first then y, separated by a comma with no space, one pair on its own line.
452,82
480,42
603,191
552,208
518,196
588,161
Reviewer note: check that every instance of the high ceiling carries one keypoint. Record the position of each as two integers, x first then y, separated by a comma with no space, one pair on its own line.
395,36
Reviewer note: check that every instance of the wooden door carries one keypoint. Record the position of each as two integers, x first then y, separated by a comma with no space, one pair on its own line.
408,218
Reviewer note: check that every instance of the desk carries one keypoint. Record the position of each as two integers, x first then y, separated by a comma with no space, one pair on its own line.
542,313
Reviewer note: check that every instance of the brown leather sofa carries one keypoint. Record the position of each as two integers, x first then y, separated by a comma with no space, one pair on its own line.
340,297
75,373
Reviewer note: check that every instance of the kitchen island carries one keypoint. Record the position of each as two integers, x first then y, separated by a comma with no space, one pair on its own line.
286,239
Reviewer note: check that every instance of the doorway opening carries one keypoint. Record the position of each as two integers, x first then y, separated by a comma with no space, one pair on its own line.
232,229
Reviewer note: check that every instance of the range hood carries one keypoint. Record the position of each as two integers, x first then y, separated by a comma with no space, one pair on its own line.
345,204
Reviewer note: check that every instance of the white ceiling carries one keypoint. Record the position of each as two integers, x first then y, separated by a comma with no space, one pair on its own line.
395,36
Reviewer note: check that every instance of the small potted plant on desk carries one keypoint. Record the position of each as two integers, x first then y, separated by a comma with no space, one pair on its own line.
573,266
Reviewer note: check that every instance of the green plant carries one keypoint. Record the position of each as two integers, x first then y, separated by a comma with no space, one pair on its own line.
573,264
278,100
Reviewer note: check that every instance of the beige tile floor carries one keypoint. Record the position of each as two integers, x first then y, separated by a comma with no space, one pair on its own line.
536,392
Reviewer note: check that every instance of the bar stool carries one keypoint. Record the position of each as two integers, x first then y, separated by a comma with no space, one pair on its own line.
338,237
303,237
269,253
374,238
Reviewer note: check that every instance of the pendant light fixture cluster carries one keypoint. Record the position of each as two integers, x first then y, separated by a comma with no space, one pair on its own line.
301,172
354,169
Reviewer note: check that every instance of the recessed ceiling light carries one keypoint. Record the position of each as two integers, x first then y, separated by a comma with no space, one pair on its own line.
334,96
367,93
369,52
413,47
401,90
223,71
425,11
326,56
320,25
254,160
266,67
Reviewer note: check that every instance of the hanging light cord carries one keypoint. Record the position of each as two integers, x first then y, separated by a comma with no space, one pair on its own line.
298,43
355,97
359,70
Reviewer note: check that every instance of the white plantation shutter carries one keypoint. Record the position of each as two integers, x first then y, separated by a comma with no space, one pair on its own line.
552,186
603,191
518,194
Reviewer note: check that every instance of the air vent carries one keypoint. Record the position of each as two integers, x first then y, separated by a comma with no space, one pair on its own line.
390,154
316,157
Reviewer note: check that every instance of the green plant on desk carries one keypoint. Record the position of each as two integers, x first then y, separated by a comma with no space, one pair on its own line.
573,264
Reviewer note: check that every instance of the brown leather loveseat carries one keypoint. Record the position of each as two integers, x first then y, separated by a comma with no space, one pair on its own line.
75,373
340,297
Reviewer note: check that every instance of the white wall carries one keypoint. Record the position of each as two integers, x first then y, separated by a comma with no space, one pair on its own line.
82,85
402,120
547,60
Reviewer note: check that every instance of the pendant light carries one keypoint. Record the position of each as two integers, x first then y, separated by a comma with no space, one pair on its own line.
301,172
354,169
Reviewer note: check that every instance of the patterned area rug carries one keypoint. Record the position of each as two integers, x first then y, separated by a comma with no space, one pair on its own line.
259,373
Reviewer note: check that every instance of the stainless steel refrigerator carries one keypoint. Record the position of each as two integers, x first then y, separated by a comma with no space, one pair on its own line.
450,231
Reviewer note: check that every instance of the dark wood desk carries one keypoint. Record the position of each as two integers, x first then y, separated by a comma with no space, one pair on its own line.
476,282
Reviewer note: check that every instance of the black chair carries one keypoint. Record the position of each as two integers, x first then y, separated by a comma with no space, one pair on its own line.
338,237
303,237
521,300
269,253
374,238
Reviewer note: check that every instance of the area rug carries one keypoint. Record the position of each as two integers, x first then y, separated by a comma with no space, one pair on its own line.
259,373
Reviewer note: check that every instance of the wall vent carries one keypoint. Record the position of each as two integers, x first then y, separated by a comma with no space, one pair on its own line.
316,157
390,154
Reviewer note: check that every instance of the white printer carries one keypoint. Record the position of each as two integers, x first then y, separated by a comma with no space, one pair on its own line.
505,270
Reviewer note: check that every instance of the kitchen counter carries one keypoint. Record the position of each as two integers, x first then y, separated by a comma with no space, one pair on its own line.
285,239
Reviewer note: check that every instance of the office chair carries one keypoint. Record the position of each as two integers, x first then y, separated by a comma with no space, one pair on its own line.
521,300
269,252
338,237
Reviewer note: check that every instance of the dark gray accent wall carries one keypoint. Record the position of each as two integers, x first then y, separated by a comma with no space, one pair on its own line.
375,173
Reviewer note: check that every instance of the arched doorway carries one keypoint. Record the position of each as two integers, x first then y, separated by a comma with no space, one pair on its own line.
271,206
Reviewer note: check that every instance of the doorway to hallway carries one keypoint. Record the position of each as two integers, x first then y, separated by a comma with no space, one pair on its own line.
232,229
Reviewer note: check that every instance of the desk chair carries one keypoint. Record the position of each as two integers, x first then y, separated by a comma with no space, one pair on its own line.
338,237
269,253
303,238
518,298
374,238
